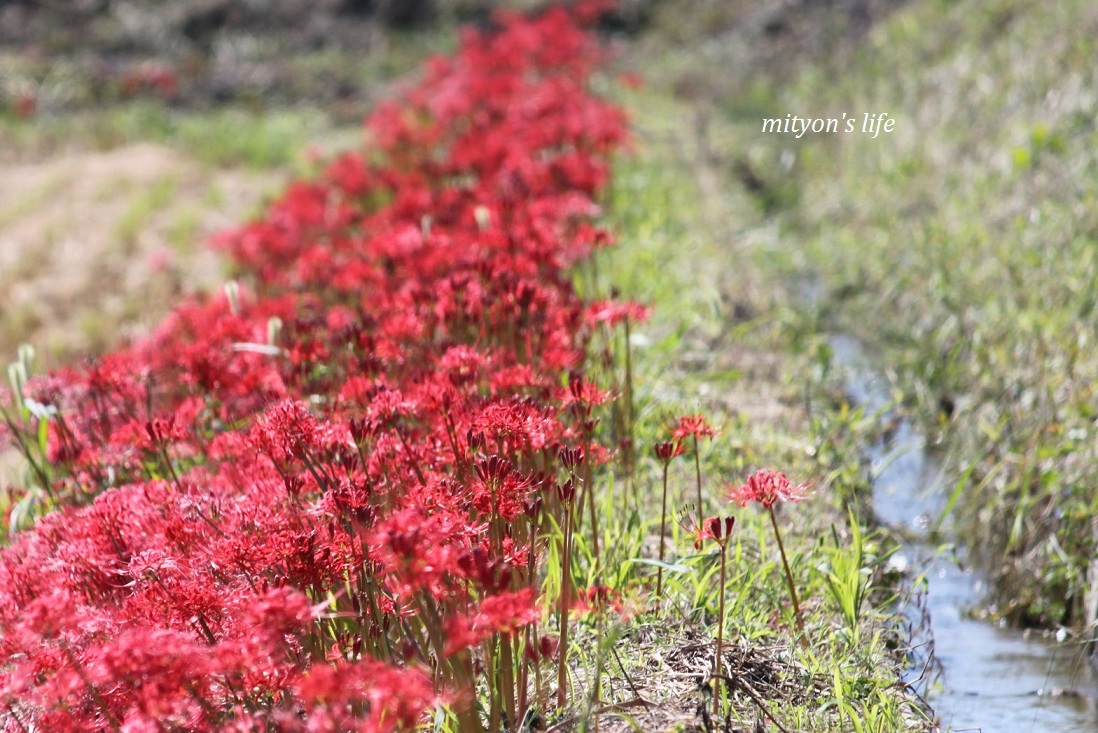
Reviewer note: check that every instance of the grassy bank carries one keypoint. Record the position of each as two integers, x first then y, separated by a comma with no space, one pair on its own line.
714,346
962,247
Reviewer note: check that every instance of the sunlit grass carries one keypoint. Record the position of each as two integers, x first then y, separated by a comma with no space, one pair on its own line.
963,247
677,253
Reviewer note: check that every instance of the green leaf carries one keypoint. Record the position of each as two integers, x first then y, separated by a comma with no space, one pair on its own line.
954,495
669,567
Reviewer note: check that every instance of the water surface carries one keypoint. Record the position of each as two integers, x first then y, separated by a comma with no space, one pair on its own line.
992,679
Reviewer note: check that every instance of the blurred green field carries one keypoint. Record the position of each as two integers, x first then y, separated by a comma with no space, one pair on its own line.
960,247
963,247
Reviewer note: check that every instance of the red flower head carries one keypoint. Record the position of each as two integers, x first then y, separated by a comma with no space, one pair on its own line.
700,532
503,613
720,529
571,457
668,449
598,599
566,492
615,312
711,528
631,80
693,425
582,395
767,487
546,648
588,12
26,106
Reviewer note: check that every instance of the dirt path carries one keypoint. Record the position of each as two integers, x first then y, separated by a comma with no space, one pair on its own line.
95,247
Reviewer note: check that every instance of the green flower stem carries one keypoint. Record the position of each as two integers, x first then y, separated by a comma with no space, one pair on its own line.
717,661
663,531
798,618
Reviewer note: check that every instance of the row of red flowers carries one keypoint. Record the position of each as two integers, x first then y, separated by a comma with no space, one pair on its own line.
317,501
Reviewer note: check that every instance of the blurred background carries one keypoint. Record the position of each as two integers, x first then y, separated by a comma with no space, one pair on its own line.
130,130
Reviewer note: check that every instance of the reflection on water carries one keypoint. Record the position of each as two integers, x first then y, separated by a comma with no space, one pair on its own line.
995,680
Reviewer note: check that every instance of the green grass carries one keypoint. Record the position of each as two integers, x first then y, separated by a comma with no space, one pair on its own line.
79,111
141,206
184,228
962,246
677,228
228,137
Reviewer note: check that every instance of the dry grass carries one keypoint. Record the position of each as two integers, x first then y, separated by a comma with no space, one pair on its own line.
88,253
763,680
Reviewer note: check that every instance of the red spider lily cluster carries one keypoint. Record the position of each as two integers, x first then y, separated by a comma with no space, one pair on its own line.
153,78
316,501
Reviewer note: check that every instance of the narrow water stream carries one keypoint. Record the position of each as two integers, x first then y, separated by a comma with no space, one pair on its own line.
993,679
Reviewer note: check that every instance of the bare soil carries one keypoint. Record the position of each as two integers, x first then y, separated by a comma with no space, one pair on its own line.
95,247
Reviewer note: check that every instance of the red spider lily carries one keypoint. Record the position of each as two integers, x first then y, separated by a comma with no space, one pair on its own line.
711,528
631,80
768,487
582,395
332,698
664,451
26,105
571,458
699,531
501,490
566,492
613,313
546,648
359,428
720,529
504,613
599,599
668,449
695,426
